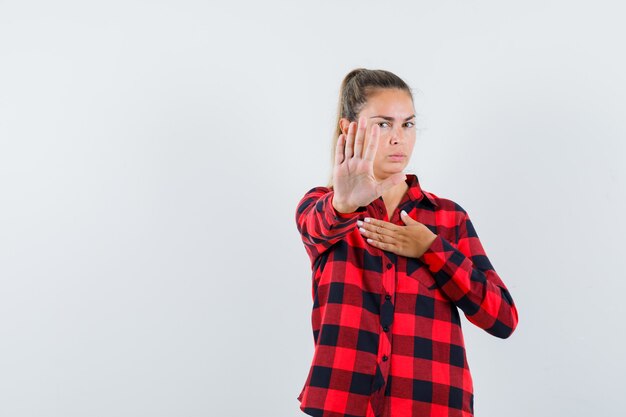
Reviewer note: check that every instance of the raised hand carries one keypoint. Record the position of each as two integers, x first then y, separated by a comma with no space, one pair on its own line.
354,182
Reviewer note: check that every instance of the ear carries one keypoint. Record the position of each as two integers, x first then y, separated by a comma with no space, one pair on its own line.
344,124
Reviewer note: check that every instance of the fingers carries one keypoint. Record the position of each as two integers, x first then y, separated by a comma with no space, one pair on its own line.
353,141
377,237
372,143
377,227
341,141
360,137
350,141
407,219
379,233
388,183
383,246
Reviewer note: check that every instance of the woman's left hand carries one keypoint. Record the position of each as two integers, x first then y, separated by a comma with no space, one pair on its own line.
411,240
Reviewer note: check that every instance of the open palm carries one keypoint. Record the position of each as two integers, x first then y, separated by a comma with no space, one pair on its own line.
354,182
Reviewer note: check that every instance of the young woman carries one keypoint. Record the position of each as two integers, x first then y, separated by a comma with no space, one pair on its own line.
392,265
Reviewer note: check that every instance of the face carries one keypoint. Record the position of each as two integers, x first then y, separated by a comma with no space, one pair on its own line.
393,111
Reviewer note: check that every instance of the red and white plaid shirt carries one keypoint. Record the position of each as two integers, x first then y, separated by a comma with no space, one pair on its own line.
387,331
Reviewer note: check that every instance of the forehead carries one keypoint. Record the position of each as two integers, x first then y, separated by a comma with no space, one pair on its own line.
389,102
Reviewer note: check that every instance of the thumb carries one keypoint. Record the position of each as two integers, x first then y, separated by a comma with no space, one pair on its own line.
395,179
407,219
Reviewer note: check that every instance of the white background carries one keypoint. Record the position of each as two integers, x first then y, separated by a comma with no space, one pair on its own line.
152,154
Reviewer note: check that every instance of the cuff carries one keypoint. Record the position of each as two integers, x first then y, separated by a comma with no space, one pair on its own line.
439,253
333,220
334,216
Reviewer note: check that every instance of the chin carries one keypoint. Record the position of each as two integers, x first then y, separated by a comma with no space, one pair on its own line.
395,168
390,171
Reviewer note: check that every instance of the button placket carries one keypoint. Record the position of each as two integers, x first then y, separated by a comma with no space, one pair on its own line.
387,313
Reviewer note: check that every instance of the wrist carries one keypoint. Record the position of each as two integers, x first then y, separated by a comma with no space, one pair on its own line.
342,208
429,243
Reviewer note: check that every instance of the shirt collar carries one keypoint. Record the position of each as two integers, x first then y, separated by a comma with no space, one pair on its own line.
415,191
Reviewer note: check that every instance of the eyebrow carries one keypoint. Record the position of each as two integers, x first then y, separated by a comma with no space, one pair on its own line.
391,118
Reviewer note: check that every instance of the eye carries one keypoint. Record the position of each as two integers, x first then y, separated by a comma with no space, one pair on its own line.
410,124
383,123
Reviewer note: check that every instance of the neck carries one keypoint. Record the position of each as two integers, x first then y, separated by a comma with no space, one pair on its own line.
396,192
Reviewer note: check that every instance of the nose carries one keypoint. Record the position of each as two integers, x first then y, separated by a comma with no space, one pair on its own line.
396,135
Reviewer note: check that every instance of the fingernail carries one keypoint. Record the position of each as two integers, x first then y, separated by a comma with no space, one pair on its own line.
359,223
367,219
403,212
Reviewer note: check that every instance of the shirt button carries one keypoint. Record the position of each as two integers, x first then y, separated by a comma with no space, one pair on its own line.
385,358
387,297
389,265
385,329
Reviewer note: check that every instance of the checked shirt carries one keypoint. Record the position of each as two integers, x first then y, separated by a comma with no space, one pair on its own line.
386,328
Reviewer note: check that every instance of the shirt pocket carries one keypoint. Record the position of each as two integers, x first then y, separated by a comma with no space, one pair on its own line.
417,271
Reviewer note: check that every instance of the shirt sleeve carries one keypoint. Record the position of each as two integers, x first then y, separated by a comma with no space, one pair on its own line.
319,224
466,276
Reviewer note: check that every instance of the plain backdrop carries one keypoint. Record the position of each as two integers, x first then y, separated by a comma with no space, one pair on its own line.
152,154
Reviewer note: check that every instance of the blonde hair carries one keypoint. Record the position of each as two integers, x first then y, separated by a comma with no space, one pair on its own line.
356,88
